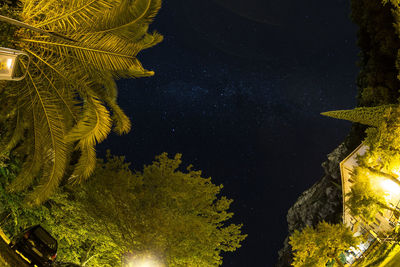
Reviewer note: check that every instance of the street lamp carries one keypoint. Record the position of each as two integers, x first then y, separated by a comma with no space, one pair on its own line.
9,57
8,64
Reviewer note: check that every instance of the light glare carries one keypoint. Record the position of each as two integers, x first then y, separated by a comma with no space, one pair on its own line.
144,261
390,187
9,63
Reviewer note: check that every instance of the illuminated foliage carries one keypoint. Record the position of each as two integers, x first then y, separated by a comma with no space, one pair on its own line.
384,143
176,215
81,238
318,246
68,100
371,116
365,199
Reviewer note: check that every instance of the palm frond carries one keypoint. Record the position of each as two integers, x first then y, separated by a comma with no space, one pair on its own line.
86,164
63,103
68,102
18,132
55,147
122,124
33,163
127,19
94,126
114,58
66,16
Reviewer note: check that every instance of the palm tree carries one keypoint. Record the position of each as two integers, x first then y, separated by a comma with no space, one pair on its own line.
68,101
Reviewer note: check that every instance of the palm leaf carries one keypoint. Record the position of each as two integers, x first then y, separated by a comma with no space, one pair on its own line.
55,145
122,124
94,126
18,132
32,165
127,18
86,164
62,104
115,59
68,16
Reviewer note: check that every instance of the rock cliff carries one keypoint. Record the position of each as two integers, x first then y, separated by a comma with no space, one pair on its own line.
323,201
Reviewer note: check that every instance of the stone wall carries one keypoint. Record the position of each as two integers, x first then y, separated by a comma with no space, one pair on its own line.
323,201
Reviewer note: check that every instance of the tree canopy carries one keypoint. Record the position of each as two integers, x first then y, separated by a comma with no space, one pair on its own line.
322,244
366,198
176,215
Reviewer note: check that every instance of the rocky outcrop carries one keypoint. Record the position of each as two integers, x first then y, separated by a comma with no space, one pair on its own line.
323,201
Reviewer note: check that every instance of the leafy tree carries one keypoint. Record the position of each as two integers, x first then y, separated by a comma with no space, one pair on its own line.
382,157
364,199
379,44
64,102
81,238
322,244
380,161
176,215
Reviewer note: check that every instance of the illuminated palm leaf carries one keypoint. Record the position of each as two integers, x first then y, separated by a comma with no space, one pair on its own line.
93,128
62,104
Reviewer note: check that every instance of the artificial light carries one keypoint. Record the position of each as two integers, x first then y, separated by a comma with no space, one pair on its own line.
390,187
144,261
8,60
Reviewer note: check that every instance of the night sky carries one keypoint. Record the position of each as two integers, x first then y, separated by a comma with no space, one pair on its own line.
238,89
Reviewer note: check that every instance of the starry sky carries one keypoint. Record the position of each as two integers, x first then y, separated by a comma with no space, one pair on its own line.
238,89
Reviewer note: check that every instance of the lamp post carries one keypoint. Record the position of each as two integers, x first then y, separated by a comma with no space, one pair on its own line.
9,57
8,62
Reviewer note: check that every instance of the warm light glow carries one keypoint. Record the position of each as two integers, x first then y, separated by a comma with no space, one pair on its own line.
396,171
9,63
390,187
385,187
144,261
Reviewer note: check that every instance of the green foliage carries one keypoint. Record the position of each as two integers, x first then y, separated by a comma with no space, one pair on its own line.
371,116
380,161
81,238
384,144
7,30
365,200
322,244
173,214
379,45
376,96
66,100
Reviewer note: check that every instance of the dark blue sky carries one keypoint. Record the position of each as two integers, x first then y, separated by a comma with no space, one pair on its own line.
238,89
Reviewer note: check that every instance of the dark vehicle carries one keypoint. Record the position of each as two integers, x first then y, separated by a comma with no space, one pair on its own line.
36,245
